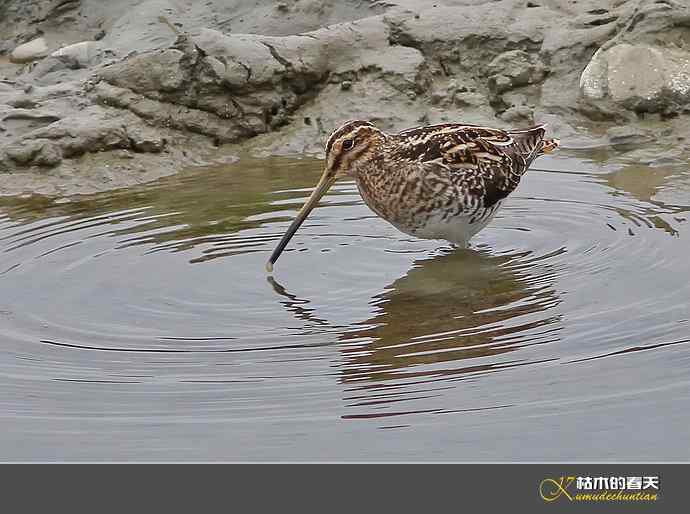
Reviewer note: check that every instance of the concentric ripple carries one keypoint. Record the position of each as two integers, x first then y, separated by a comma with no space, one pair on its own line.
143,321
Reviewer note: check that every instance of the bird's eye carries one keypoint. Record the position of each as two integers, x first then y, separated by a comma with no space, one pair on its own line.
348,144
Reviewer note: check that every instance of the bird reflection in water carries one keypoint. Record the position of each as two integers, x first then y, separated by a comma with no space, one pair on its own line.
446,310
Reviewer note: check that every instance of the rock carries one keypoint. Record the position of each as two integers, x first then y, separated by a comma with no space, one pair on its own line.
517,114
145,139
140,26
594,78
38,152
35,49
30,113
438,97
469,99
640,78
513,99
629,136
248,61
52,139
159,71
49,65
49,155
78,55
22,153
512,69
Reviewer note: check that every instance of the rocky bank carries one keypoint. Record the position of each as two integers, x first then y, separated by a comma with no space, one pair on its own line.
97,95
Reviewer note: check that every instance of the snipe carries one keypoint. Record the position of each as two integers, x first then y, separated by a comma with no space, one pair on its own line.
437,182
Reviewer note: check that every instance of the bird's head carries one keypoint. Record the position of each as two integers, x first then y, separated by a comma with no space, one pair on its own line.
351,147
348,150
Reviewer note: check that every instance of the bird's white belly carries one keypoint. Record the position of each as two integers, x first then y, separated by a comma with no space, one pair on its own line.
456,229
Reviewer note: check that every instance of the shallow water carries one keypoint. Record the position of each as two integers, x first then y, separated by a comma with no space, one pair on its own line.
140,324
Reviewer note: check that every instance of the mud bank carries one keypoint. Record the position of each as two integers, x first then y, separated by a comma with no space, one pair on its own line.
98,95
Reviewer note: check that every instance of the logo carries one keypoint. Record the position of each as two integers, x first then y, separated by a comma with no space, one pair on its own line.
600,488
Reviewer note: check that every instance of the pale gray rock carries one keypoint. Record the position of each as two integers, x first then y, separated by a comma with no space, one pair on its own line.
79,55
639,77
31,51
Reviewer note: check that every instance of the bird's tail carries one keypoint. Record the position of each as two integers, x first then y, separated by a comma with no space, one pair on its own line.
531,143
549,145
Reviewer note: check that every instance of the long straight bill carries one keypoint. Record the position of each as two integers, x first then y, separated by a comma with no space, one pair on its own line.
321,188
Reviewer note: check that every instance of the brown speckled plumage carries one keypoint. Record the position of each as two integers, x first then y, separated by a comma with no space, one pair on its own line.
441,181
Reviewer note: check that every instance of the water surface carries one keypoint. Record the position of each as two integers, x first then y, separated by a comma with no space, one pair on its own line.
140,324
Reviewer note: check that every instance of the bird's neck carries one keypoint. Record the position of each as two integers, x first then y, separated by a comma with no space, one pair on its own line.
380,182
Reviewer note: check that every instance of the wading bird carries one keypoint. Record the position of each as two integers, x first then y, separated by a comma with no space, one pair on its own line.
436,182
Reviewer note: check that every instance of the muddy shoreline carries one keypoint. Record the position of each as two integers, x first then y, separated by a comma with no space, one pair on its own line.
96,97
